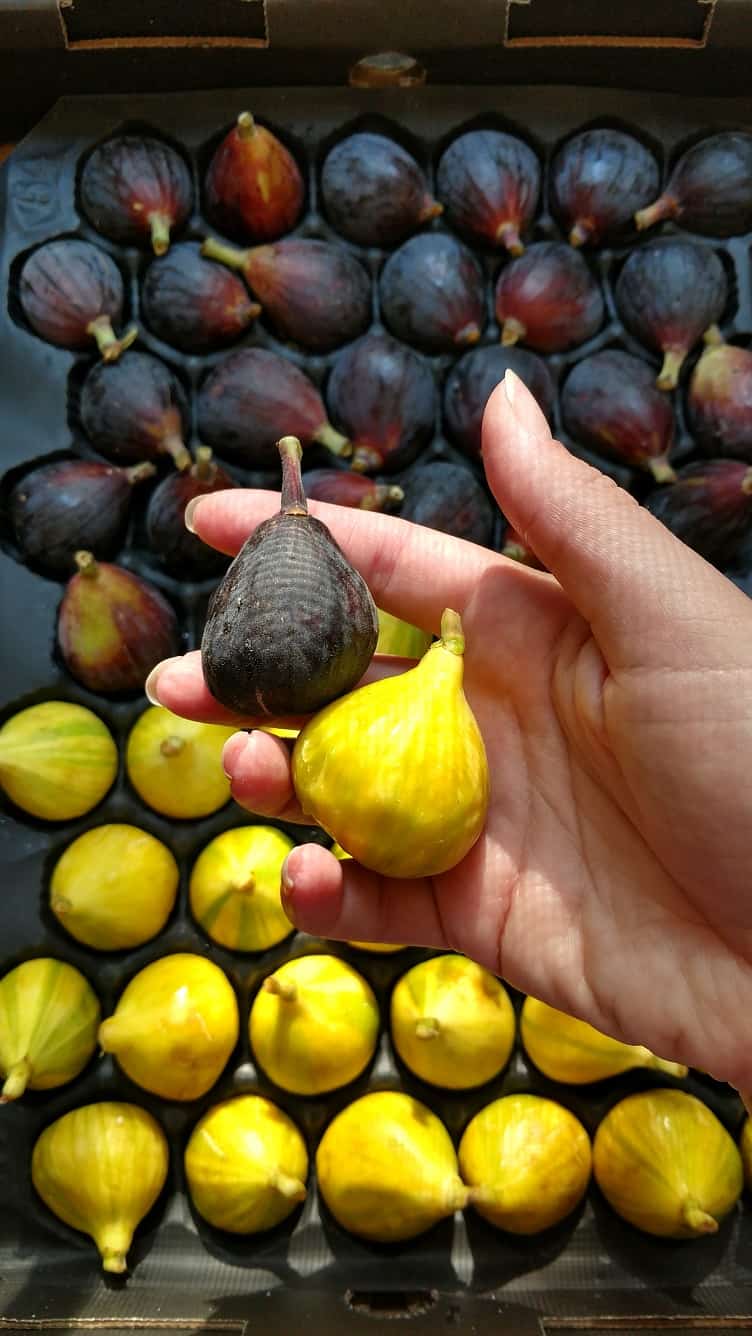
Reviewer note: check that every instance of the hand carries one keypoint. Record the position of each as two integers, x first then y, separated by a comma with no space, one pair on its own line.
615,699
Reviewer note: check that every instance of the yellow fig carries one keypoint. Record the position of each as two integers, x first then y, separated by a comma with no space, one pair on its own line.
396,771
314,1024
377,948
175,765
114,887
745,1147
387,1169
49,1015
666,1164
279,732
174,1027
57,760
574,1053
246,1165
452,1022
234,888
400,638
100,1169
527,1161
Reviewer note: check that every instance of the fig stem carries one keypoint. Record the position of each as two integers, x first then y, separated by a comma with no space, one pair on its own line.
456,1195
16,1081
381,496
468,334
171,746
747,483
673,360
232,256
140,472
509,236
293,496
86,563
160,233
328,436
288,1186
104,336
452,637
204,467
246,126
515,552
699,1221
430,208
365,459
669,1068
114,1261
281,988
661,469
427,1028
246,887
581,232
713,338
664,207
173,445
511,332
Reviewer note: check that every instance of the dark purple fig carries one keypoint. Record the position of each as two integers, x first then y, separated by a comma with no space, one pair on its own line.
384,396
254,190
668,294
473,379
610,402
113,627
340,487
598,179
134,409
313,292
709,507
183,554
515,547
432,293
374,192
57,507
710,188
489,183
448,497
252,396
136,191
548,298
193,303
71,294
291,626
719,403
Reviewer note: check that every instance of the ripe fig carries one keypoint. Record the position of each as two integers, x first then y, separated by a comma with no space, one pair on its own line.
136,191
182,553
113,627
342,488
193,303
291,625
71,293
252,396
57,760
374,192
57,507
384,396
610,402
448,497
709,189
254,190
135,410
432,293
175,765
473,379
489,183
709,507
598,178
548,298
313,292
719,403
668,294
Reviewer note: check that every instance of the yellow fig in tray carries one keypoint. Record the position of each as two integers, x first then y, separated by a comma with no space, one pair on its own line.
234,888
575,1053
49,1016
175,765
400,638
57,760
114,887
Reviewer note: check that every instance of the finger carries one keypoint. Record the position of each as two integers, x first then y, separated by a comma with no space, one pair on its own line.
258,766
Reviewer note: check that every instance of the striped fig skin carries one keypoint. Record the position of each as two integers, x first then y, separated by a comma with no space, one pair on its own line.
709,507
548,298
610,402
134,409
136,191
193,303
598,179
432,294
67,285
374,192
383,395
489,183
313,292
710,188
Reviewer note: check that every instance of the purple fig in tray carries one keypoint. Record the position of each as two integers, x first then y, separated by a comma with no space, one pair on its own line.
292,625
136,191
489,183
709,189
548,298
134,410
598,179
709,507
340,487
384,396
447,497
668,294
193,303
610,402
473,379
254,190
719,403
374,192
72,293
432,294
183,554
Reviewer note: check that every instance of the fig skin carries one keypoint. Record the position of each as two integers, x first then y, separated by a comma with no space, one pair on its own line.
71,294
252,396
710,188
598,179
254,190
373,191
194,304
431,292
668,294
548,298
473,379
58,507
314,293
136,190
292,625
182,553
489,183
135,409
340,487
719,402
610,402
709,507
383,395
447,497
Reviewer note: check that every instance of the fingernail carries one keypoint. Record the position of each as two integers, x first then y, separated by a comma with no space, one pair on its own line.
511,382
189,513
150,685
231,752
286,888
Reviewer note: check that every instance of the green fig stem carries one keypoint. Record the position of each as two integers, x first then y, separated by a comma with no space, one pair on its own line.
747,482
661,469
469,334
427,1028
113,1242
581,232
281,988
173,445
365,459
232,256
171,746
328,436
246,126
160,233
668,376
60,906
664,207
140,472
452,637
381,496
511,332
430,208
508,235
204,468
668,1068
16,1081
713,338
86,563
104,336
699,1221
293,495
245,887
294,1189
515,552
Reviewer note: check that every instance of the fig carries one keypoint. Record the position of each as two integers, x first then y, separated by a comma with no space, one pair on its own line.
489,183
374,192
516,549
709,507
471,382
575,1053
548,298
71,292
135,410
182,553
234,888
136,190
668,294
709,189
448,497
175,765
195,304
251,398
342,488
254,190
745,1148
59,507
291,625
598,179
719,402
431,292
400,638
49,1015
313,293
384,397
57,760
610,402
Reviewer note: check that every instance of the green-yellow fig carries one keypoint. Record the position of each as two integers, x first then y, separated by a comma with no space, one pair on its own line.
57,760
49,1016
400,638
175,764
575,1053
114,887
234,888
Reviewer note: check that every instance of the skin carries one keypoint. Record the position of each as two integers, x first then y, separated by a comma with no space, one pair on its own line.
615,699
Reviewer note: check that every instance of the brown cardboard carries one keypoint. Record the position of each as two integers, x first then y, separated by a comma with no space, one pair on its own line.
660,23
